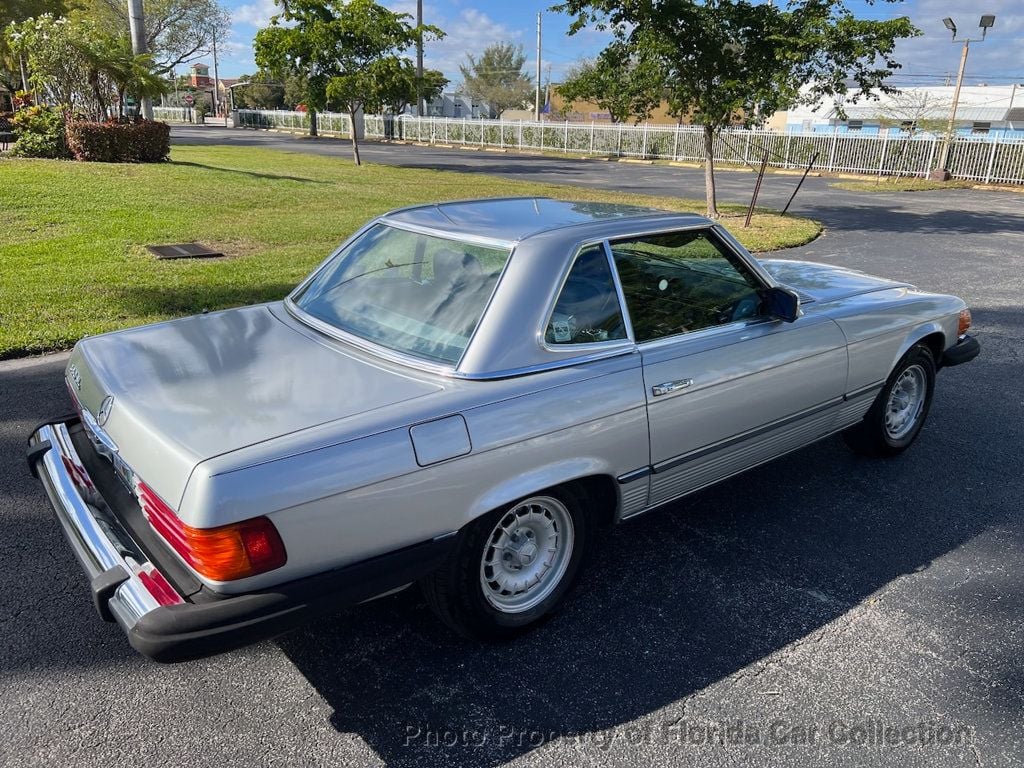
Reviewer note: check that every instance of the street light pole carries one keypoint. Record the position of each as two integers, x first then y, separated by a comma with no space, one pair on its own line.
536,101
941,172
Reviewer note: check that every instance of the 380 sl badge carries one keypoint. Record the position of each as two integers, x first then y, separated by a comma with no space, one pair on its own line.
75,376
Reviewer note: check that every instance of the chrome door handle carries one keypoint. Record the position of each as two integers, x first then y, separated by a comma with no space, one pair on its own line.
669,387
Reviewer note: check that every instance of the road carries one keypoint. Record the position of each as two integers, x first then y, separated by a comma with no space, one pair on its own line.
788,616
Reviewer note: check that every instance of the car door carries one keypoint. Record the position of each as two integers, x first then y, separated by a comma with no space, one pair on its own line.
727,388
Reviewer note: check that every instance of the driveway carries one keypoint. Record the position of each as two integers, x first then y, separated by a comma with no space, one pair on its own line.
822,609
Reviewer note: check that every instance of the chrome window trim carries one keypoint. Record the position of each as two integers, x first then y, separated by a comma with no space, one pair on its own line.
732,244
419,229
702,333
593,345
624,348
624,307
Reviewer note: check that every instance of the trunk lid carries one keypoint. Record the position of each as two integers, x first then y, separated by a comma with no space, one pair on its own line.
187,390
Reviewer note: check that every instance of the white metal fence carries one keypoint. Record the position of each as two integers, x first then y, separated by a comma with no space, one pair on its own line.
975,158
171,114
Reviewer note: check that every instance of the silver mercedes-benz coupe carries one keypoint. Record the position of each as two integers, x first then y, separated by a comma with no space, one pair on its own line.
460,397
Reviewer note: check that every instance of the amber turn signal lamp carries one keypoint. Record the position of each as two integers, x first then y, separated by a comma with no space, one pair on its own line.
965,322
225,553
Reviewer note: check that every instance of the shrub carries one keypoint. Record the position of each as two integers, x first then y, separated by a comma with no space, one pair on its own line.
39,132
141,142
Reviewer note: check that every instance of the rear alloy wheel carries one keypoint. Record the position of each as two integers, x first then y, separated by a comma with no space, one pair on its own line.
900,410
511,568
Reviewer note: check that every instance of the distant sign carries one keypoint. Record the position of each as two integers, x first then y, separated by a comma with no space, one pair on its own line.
189,100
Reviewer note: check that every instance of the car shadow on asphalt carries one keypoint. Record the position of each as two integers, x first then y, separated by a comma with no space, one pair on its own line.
672,603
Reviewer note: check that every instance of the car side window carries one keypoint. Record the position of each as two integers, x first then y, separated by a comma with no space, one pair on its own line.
681,282
587,309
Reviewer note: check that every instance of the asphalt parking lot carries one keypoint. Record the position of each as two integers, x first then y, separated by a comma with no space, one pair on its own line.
823,609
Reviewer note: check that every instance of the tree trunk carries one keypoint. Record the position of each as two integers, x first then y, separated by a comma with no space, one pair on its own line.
709,171
355,141
312,122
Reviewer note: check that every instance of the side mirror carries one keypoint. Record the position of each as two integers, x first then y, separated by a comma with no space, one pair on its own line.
781,303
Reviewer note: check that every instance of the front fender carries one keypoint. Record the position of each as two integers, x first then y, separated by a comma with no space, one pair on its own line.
945,326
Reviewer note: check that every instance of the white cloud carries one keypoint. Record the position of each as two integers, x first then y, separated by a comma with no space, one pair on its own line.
470,32
255,14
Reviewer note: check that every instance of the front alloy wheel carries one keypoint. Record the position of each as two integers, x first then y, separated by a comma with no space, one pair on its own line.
900,410
511,568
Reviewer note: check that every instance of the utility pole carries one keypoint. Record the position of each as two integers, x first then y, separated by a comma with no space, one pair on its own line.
420,105
536,102
137,26
216,80
941,172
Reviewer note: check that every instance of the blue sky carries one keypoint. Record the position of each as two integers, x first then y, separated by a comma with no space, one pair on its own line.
473,24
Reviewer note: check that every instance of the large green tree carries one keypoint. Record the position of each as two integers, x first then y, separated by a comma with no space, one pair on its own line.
347,53
496,77
258,92
617,82
402,86
177,31
12,66
76,64
721,62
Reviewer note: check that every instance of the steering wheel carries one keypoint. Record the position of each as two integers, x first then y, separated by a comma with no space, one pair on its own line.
742,308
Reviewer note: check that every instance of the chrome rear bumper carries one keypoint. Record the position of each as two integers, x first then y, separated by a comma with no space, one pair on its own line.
113,562
171,627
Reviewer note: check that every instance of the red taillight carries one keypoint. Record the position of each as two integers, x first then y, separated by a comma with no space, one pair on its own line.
223,554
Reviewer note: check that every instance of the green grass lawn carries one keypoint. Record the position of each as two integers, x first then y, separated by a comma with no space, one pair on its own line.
72,235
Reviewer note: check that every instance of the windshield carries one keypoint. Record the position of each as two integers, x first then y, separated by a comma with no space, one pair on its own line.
413,293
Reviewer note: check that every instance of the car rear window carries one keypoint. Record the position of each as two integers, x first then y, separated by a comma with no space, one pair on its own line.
414,293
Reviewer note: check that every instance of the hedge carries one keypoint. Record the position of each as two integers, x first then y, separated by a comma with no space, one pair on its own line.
39,132
141,142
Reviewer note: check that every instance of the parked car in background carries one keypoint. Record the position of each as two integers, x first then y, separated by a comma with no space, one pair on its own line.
460,396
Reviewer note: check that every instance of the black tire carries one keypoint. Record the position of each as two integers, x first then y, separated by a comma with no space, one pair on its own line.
455,591
871,437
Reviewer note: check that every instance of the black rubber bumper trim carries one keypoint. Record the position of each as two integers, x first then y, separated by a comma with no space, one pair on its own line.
963,351
36,451
34,454
192,630
103,587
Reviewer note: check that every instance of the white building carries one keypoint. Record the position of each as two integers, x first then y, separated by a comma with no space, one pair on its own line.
452,104
990,110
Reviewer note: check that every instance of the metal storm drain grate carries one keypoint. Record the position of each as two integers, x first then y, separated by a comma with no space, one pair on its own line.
183,251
